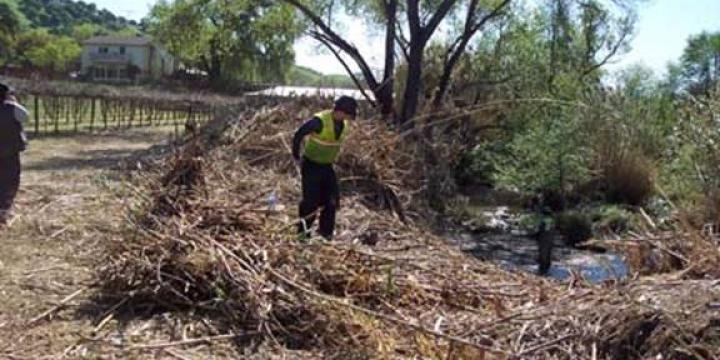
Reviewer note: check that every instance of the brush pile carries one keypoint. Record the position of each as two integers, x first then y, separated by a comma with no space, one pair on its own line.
203,237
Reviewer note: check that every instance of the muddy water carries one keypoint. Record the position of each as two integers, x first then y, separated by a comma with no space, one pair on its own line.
502,241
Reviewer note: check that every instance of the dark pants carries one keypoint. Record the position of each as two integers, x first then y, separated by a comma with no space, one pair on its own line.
319,189
9,183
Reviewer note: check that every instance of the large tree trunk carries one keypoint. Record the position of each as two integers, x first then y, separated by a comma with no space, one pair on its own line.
213,65
215,71
444,82
411,97
384,95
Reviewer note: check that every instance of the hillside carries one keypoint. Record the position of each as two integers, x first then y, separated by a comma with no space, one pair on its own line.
300,75
61,15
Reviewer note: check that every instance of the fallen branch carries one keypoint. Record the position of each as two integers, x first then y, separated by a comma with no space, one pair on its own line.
544,345
185,342
57,307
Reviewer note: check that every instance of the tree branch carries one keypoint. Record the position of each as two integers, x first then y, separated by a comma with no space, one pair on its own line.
335,39
458,47
490,16
402,42
437,17
469,19
607,57
319,37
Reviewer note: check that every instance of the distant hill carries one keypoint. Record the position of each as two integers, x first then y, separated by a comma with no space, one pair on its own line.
302,76
61,15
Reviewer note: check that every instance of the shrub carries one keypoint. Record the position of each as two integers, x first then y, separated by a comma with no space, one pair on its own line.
629,179
475,167
612,219
575,227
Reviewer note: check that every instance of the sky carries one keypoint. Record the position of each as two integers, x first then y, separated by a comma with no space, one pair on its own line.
660,37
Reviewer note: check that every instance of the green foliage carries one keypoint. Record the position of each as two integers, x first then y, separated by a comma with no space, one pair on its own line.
11,20
476,166
548,155
691,175
58,54
46,34
612,219
575,226
11,24
62,15
29,40
246,40
84,31
701,62
566,130
531,222
40,49
627,129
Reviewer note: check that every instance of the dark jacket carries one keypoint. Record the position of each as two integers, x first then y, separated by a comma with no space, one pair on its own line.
12,136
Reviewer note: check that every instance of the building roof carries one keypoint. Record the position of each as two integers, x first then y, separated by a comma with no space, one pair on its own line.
116,40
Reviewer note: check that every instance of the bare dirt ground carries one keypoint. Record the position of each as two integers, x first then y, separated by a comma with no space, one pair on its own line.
71,198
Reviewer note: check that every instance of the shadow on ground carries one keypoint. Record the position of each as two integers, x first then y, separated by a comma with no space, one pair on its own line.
99,159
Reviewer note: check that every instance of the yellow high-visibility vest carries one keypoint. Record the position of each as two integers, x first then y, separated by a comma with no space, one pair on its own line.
323,148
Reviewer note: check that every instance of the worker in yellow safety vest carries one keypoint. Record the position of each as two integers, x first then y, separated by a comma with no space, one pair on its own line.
325,134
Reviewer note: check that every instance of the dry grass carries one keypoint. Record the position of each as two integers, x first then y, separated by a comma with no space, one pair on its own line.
193,265
629,179
70,199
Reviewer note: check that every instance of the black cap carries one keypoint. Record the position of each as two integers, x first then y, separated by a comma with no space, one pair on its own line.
347,105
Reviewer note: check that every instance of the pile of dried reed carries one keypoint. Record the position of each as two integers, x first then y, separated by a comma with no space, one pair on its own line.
204,237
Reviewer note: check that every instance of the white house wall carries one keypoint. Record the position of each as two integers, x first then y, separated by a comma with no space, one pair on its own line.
137,55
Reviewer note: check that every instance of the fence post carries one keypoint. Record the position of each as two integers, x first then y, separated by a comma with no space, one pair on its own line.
105,113
175,127
92,113
37,115
115,114
132,114
76,109
67,104
58,111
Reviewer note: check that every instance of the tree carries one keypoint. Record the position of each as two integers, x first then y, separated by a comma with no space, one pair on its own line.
549,61
420,20
325,34
587,34
60,16
701,62
476,18
84,31
57,55
11,23
128,31
250,40
29,40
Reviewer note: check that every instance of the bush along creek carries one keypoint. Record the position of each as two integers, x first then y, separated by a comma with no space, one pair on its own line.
529,235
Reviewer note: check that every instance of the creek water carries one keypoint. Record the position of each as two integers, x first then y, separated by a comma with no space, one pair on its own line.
503,242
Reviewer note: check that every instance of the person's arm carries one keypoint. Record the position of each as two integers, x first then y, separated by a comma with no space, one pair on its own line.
21,113
12,136
312,125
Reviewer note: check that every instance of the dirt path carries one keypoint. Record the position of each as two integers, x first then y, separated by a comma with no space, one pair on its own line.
70,197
